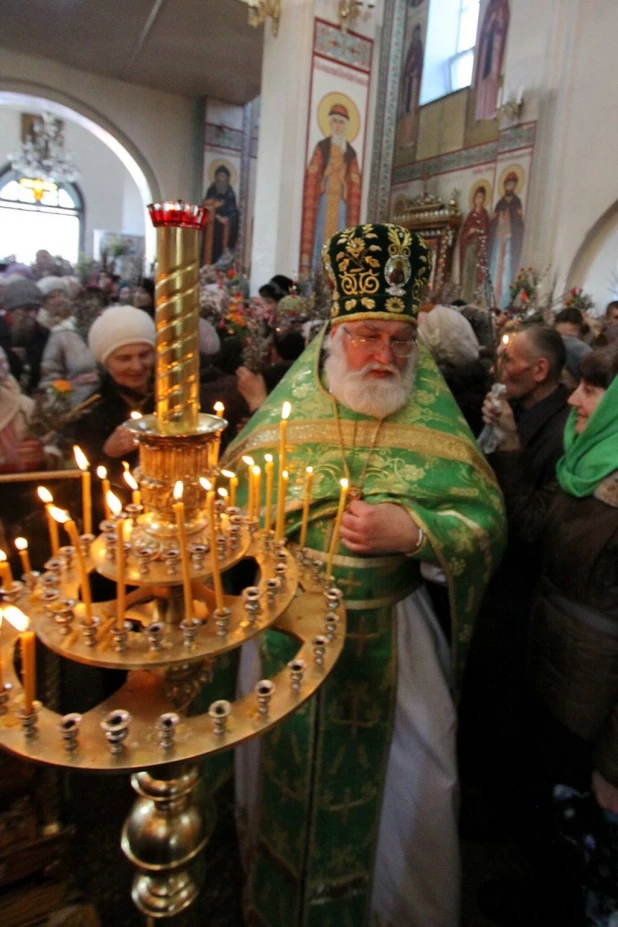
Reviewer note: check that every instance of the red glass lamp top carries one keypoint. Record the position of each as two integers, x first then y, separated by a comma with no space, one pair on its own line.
179,214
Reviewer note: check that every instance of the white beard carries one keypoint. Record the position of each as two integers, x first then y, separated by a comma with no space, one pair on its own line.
361,393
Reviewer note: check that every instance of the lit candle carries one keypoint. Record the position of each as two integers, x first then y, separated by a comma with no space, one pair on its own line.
283,430
250,464
210,491
307,500
136,496
256,474
222,492
115,507
21,623
70,527
5,570
283,488
219,409
82,462
52,525
105,487
216,450
334,541
216,573
269,467
179,512
233,485
22,546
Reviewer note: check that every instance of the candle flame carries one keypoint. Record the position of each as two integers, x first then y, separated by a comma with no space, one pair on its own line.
114,503
135,415
228,474
505,339
222,492
309,470
102,472
219,407
125,466
178,490
130,480
248,460
285,475
21,544
44,494
205,484
3,556
16,617
344,483
59,515
286,408
80,458
268,458
256,471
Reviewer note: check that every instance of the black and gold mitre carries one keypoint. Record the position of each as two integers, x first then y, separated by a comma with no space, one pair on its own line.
376,272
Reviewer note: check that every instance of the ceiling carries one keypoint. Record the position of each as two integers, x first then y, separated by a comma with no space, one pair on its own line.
189,47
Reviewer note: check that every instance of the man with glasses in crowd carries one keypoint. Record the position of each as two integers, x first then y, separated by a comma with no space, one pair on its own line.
358,810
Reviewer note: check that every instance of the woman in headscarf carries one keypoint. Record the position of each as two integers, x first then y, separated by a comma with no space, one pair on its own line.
122,341
573,649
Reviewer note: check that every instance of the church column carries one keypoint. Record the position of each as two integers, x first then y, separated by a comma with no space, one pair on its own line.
309,62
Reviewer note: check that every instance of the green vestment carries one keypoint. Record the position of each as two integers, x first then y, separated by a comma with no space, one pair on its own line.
323,768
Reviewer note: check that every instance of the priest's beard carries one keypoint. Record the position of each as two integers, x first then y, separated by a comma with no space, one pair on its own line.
364,394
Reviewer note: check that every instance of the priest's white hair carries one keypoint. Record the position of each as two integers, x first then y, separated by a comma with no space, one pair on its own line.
361,393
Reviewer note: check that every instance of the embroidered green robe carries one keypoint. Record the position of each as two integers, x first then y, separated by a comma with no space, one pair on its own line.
323,769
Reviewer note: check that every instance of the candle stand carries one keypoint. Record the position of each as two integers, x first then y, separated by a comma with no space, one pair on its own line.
168,651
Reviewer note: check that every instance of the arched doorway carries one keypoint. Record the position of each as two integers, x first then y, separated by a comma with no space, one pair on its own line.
36,98
595,267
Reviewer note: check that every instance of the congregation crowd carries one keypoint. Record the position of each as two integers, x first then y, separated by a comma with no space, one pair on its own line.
538,712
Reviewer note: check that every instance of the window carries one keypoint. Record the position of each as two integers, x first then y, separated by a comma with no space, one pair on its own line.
449,55
461,63
26,226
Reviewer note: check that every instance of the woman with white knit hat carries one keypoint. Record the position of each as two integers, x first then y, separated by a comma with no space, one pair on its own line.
122,341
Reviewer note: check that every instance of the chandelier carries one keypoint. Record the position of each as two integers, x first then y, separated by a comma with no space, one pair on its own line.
42,160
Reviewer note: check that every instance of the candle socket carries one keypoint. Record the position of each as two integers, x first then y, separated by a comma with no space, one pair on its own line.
252,524
219,712
115,726
297,671
251,596
90,630
64,614
280,571
110,545
69,728
144,556
107,526
49,598
67,556
319,649
12,594
222,621
189,628
197,553
234,536
120,637
85,542
272,588
5,695
221,541
54,567
333,597
172,559
166,728
268,541
28,721
134,511
154,633
331,622
264,690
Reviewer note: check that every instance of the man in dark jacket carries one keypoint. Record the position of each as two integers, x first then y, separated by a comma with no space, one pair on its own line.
530,365
22,301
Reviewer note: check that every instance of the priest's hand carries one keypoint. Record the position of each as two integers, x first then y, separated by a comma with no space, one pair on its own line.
378,529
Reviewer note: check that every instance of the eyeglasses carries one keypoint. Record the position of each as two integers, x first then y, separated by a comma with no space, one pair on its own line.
371,344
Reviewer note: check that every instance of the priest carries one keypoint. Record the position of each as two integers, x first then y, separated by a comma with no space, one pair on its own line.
357,816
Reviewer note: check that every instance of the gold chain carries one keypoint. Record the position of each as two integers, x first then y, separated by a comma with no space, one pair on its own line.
354,492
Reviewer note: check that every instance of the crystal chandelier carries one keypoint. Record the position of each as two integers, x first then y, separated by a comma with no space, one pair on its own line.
42,159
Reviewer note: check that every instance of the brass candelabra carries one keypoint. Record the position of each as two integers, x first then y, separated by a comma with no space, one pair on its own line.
171,544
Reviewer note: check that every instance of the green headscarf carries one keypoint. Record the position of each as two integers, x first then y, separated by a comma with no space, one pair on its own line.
592,455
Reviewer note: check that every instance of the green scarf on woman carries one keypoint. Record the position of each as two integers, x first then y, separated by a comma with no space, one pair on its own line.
593,454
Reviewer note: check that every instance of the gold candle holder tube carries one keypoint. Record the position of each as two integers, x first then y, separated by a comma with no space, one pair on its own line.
176,315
